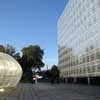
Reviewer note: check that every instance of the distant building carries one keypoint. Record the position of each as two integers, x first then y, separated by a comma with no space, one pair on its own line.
79,39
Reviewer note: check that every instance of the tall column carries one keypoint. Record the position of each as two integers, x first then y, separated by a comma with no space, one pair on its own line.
75,80
89,81
67,80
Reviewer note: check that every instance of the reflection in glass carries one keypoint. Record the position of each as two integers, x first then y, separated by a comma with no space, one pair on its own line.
79,38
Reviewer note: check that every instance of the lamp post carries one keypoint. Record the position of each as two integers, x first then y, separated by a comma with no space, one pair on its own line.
47,66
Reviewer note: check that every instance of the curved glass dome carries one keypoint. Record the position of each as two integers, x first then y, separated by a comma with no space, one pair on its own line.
10,71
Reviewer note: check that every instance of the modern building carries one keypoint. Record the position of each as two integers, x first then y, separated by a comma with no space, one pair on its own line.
79,39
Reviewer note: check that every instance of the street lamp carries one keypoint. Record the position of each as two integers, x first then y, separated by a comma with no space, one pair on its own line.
47,66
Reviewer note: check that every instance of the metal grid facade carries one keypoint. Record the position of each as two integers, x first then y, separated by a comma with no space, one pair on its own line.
79,39
10,71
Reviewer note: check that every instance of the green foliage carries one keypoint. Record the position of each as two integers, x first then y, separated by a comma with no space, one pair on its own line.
2,48
10,50
55,71
33,56
17,56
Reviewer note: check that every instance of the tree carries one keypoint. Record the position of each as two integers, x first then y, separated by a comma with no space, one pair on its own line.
54,73
48,74
17,56
10,50
2,48
33,56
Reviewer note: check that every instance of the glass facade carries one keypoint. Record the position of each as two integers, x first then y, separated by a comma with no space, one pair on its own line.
79,39
10,71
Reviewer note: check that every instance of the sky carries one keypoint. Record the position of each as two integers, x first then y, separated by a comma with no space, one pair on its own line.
31,22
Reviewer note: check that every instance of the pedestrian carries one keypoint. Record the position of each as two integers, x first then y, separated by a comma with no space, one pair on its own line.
64,80
36,80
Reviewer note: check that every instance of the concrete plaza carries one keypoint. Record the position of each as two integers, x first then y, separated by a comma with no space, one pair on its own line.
44,91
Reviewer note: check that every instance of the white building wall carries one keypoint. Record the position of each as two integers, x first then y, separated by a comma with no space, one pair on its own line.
79,39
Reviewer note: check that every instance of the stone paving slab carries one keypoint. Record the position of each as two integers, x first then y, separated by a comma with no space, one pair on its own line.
44,91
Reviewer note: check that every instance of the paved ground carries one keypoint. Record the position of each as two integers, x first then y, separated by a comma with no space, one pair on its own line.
43,91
